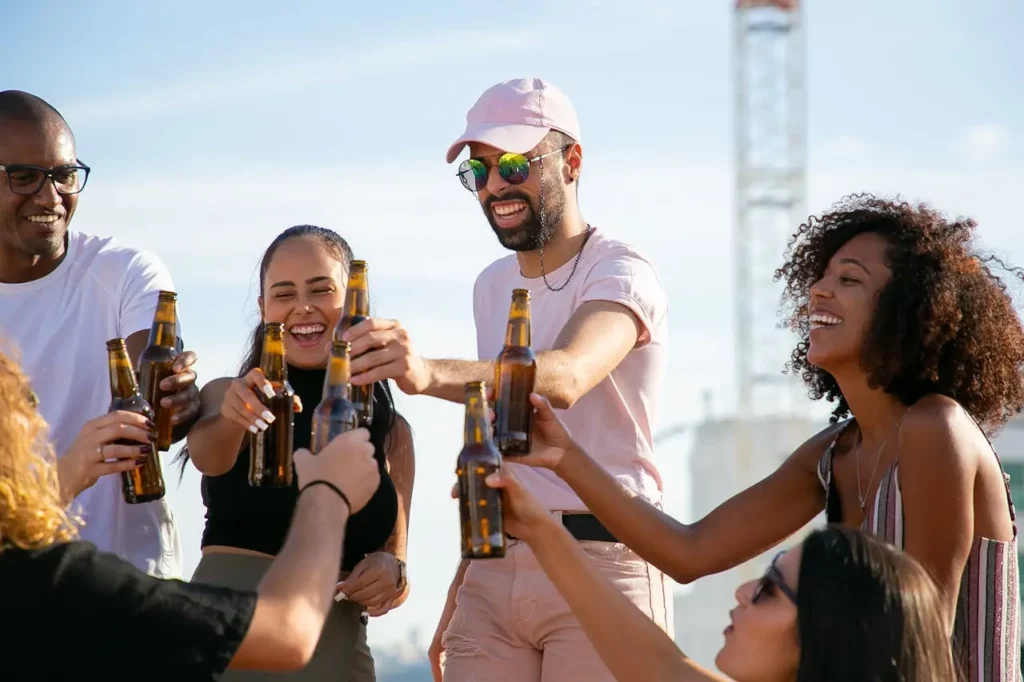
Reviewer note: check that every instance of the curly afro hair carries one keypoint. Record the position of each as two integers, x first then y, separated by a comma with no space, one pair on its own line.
943,324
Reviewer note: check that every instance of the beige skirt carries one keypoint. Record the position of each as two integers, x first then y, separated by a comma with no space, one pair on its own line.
342,654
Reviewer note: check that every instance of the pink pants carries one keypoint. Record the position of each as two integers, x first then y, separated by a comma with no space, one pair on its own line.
511,625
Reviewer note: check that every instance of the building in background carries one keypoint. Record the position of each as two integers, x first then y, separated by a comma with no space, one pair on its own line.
716,475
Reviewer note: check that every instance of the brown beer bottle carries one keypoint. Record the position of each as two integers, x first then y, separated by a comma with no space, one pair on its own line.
357,309
335,414
483,535
155,364
514,375
270,451
144,483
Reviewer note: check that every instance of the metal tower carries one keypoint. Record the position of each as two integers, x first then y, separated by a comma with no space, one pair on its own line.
770,198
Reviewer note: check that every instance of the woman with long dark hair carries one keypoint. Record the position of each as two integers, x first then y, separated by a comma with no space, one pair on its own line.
841,607
906,326
303,275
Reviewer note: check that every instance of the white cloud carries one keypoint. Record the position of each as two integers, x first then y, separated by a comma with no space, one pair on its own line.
983,142
208,90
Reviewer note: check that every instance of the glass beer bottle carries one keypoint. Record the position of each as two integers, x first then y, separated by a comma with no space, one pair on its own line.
335,414
483,535
270,451
515,372
145,482
357,309
155,364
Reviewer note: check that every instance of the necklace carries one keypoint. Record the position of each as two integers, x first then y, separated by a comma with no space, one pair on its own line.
862,497
579,253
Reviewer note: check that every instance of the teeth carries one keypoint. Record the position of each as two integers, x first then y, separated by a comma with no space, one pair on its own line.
510,208
47,219
307,329
823,320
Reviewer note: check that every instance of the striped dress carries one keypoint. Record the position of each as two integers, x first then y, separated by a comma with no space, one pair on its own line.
986,633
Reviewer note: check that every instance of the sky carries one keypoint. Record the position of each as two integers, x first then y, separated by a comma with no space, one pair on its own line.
211,127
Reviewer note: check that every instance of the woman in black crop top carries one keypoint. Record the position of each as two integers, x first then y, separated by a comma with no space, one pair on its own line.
302,284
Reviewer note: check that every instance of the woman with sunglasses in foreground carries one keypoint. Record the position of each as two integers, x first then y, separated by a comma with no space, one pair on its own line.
904,325
841,607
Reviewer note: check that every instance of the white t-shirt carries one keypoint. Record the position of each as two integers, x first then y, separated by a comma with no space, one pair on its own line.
57,328
614,421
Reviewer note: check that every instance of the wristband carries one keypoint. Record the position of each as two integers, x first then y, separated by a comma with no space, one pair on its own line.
332,487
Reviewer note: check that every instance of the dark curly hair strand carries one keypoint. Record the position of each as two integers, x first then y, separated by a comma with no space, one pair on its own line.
945,323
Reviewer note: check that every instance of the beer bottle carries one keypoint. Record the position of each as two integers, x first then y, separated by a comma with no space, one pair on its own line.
335,414
144,483
270,451
155,364
483,536
515,371
357,309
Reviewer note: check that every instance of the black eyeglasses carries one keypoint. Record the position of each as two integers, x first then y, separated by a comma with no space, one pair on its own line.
772,578
24,179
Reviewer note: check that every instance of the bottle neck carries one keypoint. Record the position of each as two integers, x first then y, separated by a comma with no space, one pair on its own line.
518,332
272,362
165,321
478,429
122,378
357,302
163,334
336,384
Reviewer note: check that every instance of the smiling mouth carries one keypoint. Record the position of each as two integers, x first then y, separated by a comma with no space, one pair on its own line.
307,335
509,213
822,320
48,219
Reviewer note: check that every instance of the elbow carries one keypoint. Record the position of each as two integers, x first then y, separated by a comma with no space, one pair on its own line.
682,578
208,466
301,631
568,391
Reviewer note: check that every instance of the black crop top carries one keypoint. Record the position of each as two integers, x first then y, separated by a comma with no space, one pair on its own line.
238,515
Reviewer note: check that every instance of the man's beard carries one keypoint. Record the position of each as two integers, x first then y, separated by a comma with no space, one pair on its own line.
538,228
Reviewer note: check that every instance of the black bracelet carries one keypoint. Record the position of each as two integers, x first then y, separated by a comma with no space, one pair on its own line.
332,487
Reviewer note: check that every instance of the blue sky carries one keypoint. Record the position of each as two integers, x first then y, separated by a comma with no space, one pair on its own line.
212,126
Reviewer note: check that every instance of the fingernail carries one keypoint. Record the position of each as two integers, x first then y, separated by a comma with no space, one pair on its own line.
340,597
262,424
253,428
146,449
268,416
150,424
268,390
165,402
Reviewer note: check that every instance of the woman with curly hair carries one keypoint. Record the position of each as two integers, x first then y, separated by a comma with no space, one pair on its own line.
903,324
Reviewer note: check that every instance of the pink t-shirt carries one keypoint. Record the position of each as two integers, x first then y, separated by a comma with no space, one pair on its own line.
614,421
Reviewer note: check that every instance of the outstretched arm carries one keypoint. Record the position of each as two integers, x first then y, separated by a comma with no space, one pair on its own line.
739,529
590,345
629,642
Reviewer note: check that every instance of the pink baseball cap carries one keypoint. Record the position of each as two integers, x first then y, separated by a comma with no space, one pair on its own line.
515,115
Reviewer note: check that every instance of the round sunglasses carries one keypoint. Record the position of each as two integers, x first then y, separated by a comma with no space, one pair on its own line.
513,169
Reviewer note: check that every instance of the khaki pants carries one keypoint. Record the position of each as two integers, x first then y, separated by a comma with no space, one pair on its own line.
511,625
342,654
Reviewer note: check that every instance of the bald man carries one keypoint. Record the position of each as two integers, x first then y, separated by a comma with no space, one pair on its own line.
63,295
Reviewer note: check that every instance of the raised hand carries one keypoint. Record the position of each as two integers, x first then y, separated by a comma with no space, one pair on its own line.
94,453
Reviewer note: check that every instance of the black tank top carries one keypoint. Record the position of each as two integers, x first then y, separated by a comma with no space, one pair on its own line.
238,515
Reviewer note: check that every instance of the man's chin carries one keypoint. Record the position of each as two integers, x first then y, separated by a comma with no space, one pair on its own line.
516,239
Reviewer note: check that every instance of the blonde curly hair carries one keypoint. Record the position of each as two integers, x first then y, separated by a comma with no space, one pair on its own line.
32,514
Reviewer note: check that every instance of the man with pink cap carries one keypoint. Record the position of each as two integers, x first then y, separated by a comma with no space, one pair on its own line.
599,327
